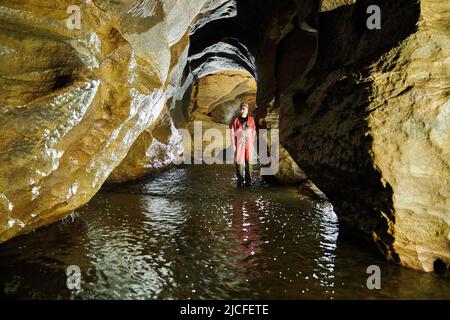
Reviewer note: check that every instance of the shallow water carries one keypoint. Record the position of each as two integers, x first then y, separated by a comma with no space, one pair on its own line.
189,233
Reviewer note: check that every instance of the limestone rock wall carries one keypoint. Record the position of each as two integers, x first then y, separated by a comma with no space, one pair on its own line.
147,154
219,95
74,101
369,123
283,52
363,113
156,148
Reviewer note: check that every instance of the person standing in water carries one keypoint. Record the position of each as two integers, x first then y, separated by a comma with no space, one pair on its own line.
243,133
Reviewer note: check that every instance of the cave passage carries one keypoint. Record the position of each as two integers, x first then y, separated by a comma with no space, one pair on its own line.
190,233
94,125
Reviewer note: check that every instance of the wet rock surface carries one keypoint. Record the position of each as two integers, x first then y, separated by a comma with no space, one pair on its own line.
369,124
364,114
156,149
74,101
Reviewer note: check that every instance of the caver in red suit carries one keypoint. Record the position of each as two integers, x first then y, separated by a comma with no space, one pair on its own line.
243,133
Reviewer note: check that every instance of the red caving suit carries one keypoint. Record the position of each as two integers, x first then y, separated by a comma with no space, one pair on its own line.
243,141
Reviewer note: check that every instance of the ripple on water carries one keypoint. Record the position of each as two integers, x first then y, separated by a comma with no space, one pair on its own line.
189,232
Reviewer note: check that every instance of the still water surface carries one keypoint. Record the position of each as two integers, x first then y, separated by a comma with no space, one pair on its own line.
189,233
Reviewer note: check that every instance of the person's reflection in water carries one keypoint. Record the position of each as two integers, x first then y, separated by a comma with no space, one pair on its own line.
246,228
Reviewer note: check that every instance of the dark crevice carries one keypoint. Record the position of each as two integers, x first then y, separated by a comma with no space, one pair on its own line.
62,81
439,267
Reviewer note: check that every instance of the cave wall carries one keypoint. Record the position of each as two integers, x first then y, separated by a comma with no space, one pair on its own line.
73,101
219,95
149,155
369,123
363,113
156,148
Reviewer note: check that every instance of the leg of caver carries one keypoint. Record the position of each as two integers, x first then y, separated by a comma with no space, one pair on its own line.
239,175
248,178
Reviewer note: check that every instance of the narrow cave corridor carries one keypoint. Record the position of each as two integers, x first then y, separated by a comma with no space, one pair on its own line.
110,175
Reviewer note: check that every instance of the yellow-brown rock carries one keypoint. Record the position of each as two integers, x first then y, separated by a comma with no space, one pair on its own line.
220,94
369,124
154,150
206,146
364,113
159,145
74,101
288,171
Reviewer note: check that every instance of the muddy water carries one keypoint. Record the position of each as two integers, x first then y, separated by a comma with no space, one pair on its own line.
189,233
